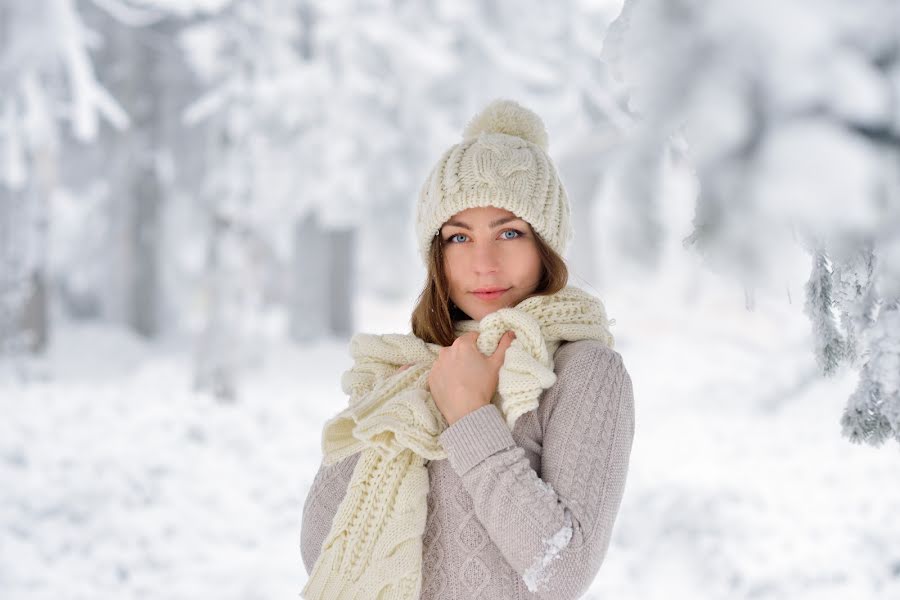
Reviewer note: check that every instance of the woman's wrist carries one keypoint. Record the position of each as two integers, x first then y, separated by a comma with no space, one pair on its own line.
462,409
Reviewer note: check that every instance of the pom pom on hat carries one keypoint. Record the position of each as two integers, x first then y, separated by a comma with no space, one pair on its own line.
509,117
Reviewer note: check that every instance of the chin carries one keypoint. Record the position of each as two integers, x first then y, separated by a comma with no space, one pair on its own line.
475,315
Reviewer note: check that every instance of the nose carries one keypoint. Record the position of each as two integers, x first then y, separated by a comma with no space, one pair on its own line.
486,259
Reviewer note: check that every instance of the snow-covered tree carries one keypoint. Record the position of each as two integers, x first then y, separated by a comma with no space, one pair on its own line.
388,66
587,124
128,172
47,83
790,112
830,344
253,106
412,73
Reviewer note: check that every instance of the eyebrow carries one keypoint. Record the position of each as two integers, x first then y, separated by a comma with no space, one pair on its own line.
493,224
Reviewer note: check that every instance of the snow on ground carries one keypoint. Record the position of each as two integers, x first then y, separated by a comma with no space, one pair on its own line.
740,484
123,484
118,482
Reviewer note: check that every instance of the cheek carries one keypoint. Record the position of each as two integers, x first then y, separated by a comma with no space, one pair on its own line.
531,266
451,270
535,273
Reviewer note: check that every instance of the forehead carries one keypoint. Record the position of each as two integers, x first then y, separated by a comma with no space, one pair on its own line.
481,215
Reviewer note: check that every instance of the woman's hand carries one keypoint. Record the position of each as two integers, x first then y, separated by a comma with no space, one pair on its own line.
462,379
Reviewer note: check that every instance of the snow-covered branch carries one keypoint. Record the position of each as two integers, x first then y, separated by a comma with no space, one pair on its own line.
791,114
47,78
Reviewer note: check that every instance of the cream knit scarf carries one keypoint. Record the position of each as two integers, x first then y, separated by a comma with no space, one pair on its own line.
374,547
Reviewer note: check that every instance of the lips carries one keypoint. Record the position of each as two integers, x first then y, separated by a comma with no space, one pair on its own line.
489,293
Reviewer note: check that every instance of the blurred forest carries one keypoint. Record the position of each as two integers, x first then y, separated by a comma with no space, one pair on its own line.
202,200
194,166
223,168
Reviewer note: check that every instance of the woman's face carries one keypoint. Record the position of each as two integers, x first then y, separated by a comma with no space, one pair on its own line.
491,259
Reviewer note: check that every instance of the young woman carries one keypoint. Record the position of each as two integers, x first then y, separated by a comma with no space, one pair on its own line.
484,455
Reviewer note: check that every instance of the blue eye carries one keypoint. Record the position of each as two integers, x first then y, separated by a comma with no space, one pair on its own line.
451,238
515,231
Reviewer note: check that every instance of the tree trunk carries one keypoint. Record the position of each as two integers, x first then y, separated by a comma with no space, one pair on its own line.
341,278
24,314
324,279
137,192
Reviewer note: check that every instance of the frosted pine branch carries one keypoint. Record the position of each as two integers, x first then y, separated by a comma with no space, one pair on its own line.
786,132
829,343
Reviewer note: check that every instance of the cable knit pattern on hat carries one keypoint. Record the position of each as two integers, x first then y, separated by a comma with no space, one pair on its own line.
502,161
374,548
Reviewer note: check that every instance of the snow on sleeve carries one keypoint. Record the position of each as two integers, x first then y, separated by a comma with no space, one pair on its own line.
546,485
537,572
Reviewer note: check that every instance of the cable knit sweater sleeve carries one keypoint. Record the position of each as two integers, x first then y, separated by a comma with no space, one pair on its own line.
553,529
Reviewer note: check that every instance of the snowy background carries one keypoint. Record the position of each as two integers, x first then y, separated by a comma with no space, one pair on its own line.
170,352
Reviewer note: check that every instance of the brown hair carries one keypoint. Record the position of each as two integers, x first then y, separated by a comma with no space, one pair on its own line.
434,316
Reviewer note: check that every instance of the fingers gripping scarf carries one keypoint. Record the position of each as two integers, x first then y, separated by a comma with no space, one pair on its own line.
374,547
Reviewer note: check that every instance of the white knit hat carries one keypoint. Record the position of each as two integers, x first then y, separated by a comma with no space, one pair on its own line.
501,161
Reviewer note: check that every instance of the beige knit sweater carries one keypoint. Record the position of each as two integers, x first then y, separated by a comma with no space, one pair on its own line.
521,514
